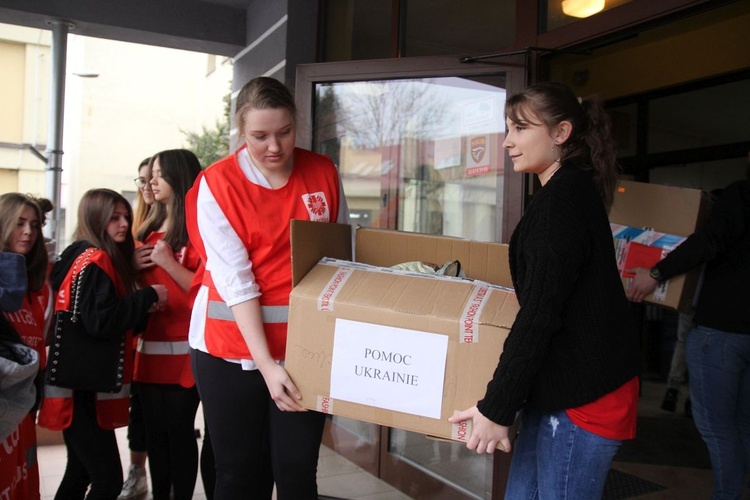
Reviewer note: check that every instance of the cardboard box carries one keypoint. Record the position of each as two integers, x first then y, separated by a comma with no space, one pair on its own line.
676,212
394,348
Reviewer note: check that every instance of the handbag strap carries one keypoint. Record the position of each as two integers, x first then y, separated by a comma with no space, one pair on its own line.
83,261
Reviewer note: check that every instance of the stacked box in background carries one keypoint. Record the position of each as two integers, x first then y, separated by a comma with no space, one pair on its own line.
410,350
659,218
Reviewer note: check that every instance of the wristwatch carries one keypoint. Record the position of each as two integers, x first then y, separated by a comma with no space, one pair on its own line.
656,274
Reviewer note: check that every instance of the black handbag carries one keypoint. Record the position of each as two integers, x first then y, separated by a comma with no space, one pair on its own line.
78,360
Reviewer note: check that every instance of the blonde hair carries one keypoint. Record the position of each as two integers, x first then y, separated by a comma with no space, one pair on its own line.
263,93
142,208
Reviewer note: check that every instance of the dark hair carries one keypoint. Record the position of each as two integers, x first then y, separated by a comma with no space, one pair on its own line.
179,167
590,139
37,260
263,93
94,213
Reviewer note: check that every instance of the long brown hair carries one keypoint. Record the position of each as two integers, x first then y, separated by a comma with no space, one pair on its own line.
590,141
180,168
94,213
37,260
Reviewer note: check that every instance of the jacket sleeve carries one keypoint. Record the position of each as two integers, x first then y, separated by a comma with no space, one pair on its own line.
104,314
725,228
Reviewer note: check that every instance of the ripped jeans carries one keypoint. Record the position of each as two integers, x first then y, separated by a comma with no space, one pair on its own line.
555,459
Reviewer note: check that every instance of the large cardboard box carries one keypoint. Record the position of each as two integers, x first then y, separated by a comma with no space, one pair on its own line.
393,348
669,210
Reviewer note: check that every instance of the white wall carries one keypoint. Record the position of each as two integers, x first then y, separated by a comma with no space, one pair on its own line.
142,99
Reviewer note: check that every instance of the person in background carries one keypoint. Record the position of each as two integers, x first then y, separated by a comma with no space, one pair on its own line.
144,197
571,361
21,221
678,374
136,481
112,306
46,207
717,349
238,215
162,362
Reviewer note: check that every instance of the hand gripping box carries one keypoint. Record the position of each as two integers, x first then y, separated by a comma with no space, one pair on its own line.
395,348
669,214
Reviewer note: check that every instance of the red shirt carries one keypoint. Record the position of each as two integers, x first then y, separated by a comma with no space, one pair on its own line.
613,415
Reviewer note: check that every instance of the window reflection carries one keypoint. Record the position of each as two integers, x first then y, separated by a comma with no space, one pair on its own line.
420,155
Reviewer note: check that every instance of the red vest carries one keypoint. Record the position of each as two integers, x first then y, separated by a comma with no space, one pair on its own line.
260,217
19,468
111,408
31,321
163,355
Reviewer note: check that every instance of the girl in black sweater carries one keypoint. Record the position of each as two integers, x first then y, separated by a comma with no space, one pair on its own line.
571,360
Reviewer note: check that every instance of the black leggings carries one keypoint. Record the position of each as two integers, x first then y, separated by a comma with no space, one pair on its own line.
169,418
136,428
254,442
93,457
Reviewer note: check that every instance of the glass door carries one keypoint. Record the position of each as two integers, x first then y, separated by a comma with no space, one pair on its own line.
419,150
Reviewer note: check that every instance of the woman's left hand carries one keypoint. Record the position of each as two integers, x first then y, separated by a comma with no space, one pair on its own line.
283,391
486,435
162,254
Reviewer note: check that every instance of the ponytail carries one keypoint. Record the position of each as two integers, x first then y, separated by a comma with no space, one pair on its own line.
602,149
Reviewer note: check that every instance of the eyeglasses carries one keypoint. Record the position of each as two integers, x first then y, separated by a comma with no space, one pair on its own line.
140,182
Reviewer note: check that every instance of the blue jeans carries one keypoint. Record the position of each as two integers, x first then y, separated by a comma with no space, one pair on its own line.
719,367
556,459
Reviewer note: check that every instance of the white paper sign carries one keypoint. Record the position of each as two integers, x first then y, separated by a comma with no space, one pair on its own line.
387,367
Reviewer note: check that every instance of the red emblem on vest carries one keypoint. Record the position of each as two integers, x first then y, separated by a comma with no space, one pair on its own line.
317,207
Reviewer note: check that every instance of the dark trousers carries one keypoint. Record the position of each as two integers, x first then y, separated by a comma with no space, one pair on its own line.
208,463
136,427
93,457
254,443
169,415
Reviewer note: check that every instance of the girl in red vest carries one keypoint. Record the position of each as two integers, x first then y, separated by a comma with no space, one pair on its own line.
238,215
21,222
164,378
111,306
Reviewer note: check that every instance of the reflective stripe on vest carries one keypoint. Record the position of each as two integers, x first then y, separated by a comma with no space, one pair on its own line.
51,391
271,314
163,348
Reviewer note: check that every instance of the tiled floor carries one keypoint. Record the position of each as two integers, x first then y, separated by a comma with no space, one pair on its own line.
341,478
337,477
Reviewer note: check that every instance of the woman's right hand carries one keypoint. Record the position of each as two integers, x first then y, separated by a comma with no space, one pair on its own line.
161,292
142,257
283,391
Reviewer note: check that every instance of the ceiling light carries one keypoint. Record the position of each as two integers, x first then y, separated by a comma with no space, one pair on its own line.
582,8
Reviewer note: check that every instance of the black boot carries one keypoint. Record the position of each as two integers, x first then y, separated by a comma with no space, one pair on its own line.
670,400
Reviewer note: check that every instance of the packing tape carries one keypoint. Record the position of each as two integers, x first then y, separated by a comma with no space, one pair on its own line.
327,297
461,431
325,405
469,322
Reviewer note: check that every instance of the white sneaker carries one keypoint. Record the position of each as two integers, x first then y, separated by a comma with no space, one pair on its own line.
136,483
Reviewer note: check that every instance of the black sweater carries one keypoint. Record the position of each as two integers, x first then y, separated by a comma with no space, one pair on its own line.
724,245
573,339
103,312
